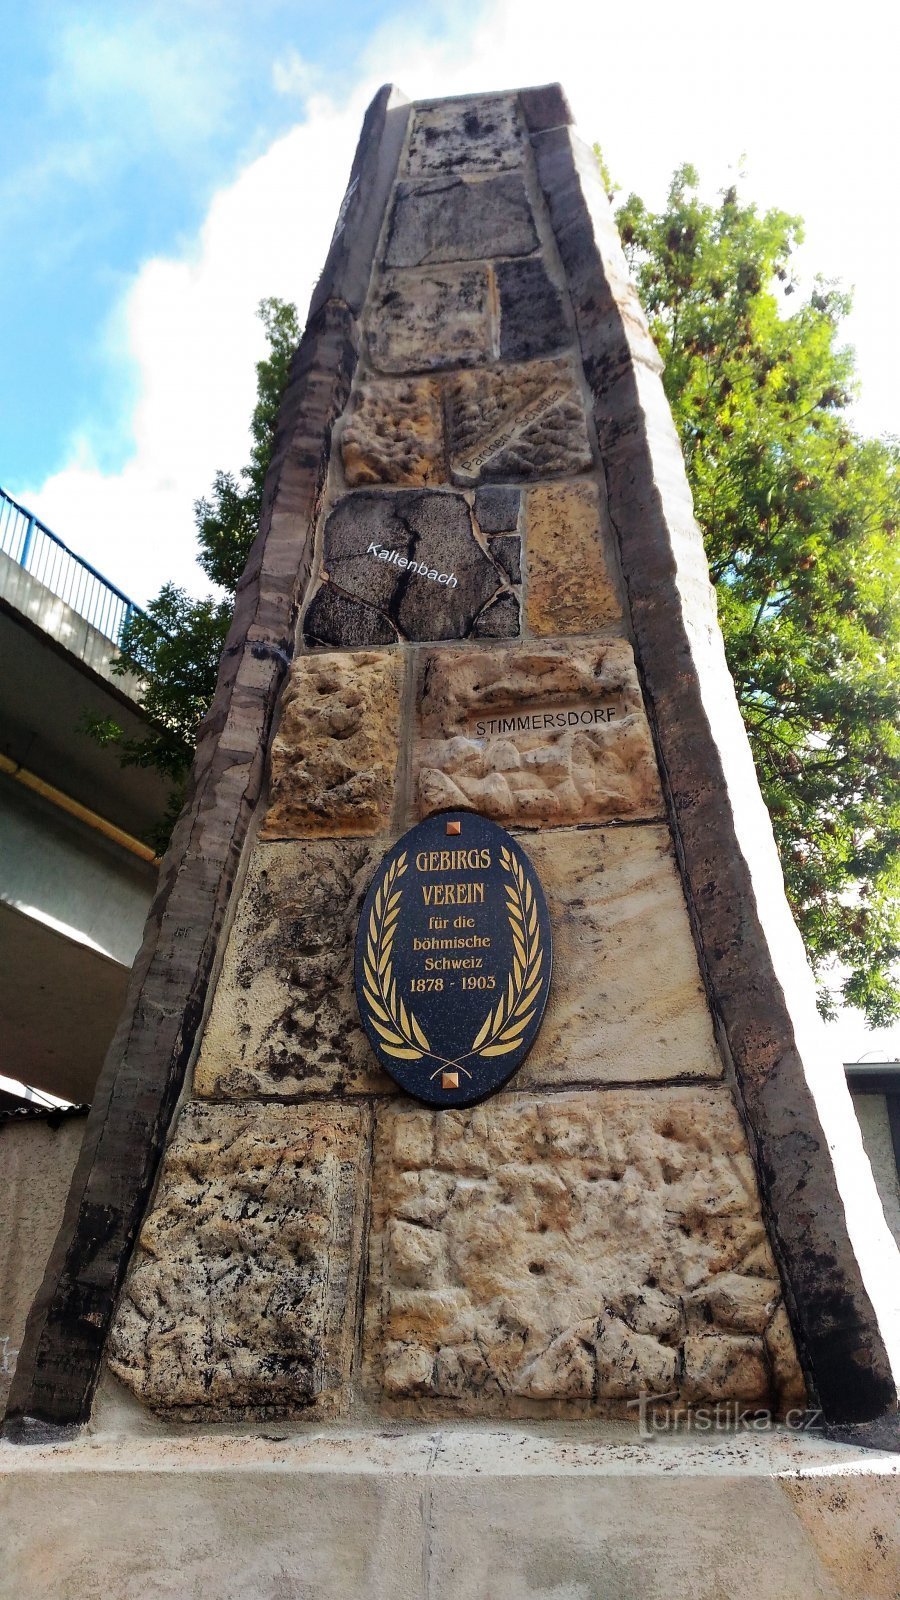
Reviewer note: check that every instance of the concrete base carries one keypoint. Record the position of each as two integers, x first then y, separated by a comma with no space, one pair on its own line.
472,1514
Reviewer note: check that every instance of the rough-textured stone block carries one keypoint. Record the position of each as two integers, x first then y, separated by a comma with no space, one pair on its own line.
506,549
499,620
524,421
237,1303
394,433
483,133
535,735
284,1020
627,1003
335,753
782,1356
534,1256
718,1366
532,314
412,554
458,219
497,508
339,621
570,587
441,318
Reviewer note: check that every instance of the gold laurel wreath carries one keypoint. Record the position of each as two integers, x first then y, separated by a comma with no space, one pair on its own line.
503,1028
396,1026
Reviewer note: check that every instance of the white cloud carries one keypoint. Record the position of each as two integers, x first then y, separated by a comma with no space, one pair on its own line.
143,76
291,75
189,326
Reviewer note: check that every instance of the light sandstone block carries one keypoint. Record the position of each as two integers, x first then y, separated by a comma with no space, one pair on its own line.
533,1257
237,1302
570,583
394,433
334,756
536,735
627,1002
431,319
483,134
284,1020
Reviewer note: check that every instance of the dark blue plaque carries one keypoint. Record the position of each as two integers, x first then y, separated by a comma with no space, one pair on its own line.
453,959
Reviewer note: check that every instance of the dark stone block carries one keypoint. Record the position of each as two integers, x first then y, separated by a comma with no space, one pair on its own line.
532,316
499,620
334,618
348,268
412,555
545,107
507,552
455,219
497,508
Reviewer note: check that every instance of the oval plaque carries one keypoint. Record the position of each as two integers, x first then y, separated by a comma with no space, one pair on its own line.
453,959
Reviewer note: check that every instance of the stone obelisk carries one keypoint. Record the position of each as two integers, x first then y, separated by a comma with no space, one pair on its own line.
478,588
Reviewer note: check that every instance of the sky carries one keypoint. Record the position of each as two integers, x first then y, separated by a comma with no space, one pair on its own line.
168,163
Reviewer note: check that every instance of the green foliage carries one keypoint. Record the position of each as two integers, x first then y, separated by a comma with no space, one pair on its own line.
227,523
799,516
176,643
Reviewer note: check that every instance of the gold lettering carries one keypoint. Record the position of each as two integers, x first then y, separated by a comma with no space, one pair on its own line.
453,894
453,860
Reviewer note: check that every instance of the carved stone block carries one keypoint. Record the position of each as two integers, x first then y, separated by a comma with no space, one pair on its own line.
421,320
455,219
394,433
284,1020
536,735
412,555
524,421
335,753
533,1256
570,586
237,1303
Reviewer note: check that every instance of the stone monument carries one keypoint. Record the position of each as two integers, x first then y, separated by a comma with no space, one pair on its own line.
477,589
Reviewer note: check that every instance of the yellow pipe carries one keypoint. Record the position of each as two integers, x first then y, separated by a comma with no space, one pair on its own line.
65,803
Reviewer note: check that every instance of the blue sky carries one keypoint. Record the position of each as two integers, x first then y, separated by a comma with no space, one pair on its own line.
119,123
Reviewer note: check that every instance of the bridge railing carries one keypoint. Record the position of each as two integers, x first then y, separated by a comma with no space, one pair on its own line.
27,541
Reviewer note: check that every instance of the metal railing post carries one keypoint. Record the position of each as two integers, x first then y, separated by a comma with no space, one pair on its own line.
59,569
27,542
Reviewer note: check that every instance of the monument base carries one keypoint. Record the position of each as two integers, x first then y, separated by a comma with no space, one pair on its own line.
473,1513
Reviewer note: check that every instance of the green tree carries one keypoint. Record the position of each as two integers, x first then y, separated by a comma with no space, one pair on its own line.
176,642
799,516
